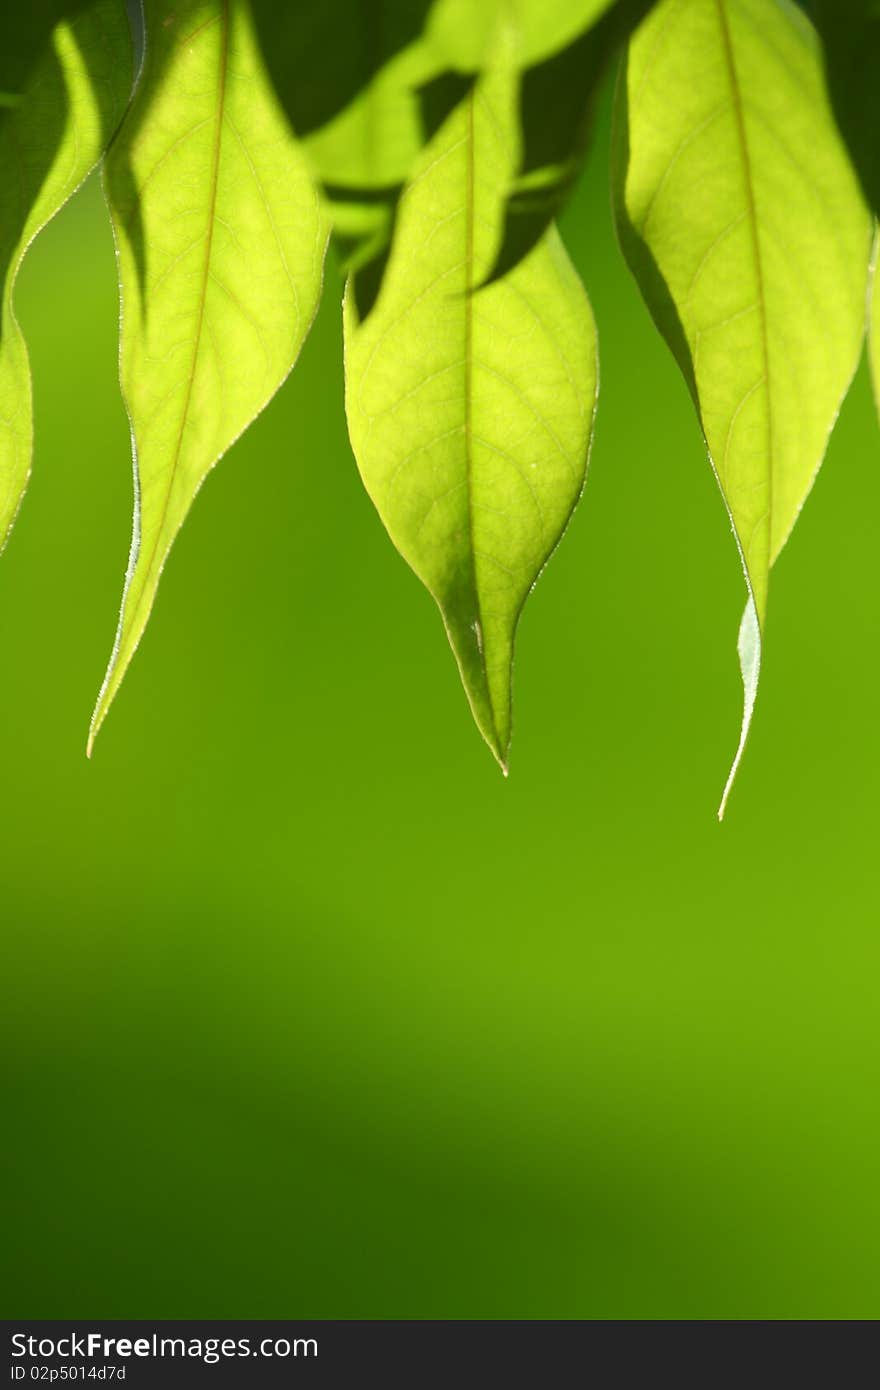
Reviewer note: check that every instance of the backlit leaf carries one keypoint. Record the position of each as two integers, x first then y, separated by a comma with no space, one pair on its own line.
470,409
220,242
743,223
52,133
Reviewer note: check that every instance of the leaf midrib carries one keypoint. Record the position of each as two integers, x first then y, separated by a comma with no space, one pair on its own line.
469,255
203,291
752,219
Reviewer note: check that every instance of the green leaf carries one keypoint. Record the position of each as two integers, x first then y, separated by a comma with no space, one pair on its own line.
52,133
470,410
743,223
221,241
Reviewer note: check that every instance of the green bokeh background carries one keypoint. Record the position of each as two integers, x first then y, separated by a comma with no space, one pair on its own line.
306,1011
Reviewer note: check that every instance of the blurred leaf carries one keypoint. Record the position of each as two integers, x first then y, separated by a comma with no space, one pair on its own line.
358,82
556,105
347,74
221,243
743,223
53,130
470,410
850,31
462,31
25,37
366,83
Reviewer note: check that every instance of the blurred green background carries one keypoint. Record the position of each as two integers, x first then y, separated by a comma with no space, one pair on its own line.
308,1012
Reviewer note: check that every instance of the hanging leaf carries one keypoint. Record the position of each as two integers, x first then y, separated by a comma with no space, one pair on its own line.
744,226
470,410
221,242
53,130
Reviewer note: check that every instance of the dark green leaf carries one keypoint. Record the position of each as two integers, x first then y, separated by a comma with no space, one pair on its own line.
850,31
53,130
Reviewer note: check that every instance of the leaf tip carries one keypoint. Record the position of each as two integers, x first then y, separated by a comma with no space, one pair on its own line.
500,752
98,717
749,649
